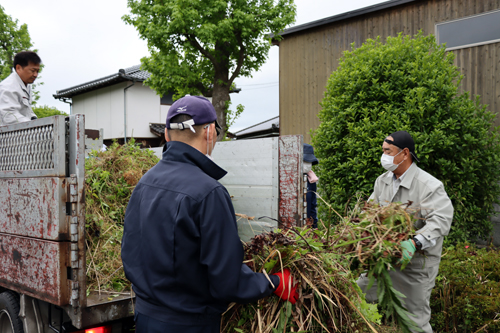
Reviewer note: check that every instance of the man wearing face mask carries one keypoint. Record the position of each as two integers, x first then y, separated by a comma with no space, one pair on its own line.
308,161
180,246
404,181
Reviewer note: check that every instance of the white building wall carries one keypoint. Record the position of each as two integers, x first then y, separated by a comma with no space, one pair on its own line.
104,108
143,107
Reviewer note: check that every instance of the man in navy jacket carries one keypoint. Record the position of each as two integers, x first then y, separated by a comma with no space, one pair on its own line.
180,247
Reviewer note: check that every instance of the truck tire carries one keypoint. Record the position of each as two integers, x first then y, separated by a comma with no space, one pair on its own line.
9,313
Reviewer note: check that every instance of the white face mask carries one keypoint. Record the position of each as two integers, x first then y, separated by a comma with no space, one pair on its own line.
387,162
307,166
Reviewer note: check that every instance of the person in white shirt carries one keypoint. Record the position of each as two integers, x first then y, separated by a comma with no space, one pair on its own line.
15,91
404,181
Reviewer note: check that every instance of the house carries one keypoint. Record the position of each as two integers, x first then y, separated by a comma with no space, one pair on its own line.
119,103
310,52
122,106
265,129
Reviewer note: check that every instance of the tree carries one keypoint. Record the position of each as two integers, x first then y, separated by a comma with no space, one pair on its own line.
408,84
13,39
202,46
47,111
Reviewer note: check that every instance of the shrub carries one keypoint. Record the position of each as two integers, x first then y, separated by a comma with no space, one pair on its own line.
467,293
47,111
408,84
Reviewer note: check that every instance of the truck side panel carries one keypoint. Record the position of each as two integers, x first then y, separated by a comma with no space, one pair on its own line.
34,207
35,267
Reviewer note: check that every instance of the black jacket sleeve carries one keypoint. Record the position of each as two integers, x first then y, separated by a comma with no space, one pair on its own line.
222,252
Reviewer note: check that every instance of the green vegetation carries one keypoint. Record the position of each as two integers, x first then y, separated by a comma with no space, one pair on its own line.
47,111
110,177
466,297
14,38
321,261
329,298
408,84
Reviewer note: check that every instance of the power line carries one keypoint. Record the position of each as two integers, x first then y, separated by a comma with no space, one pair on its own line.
255,88
257,84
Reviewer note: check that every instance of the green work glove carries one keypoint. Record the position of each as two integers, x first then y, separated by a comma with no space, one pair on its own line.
408,250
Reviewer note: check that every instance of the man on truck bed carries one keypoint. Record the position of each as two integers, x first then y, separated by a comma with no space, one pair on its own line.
15,91
180,247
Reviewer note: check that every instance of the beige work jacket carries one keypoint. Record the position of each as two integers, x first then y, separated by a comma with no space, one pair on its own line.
15,100
431,205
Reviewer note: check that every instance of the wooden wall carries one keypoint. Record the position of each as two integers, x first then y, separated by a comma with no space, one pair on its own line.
307,58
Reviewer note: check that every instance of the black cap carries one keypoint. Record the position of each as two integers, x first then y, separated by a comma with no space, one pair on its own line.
309,154
403,139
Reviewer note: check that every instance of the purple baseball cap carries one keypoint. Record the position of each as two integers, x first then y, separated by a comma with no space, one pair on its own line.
199,108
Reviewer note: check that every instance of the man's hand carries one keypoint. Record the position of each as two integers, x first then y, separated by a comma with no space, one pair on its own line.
408,250
286,289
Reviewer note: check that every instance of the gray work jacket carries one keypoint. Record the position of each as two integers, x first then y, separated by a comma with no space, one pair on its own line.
15,101
431,205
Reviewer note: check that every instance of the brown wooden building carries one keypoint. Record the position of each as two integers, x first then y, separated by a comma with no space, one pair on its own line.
310,52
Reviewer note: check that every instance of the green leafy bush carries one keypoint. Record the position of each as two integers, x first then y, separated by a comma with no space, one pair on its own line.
466,297
47,111
408,84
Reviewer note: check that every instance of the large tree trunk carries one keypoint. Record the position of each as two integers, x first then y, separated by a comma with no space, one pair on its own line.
220,96
219,100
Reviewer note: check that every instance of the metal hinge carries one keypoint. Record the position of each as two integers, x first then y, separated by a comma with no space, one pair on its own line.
73,189
73,228
75,290
75,287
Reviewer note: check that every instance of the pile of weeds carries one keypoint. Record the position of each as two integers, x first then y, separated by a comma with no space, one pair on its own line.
321,261
372,237
329,298
466,297
110,177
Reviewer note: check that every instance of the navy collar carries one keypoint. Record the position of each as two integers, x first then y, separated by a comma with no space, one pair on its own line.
181,152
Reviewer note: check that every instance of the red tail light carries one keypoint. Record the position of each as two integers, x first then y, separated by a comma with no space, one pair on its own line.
103,329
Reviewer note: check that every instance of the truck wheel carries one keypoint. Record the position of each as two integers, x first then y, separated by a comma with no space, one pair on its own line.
9,313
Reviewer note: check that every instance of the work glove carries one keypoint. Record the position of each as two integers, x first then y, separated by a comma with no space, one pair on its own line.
408,250
286,289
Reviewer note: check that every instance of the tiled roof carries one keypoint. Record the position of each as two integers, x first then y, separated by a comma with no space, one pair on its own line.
157,128
127,74
266,128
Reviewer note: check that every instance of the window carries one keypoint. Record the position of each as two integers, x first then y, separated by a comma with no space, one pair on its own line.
470,31
167,99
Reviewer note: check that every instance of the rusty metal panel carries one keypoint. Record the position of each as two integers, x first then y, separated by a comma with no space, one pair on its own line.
34,207
291,204
34,148
102,308
35,267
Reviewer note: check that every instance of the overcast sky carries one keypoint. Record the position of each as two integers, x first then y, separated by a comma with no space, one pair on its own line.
80,41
